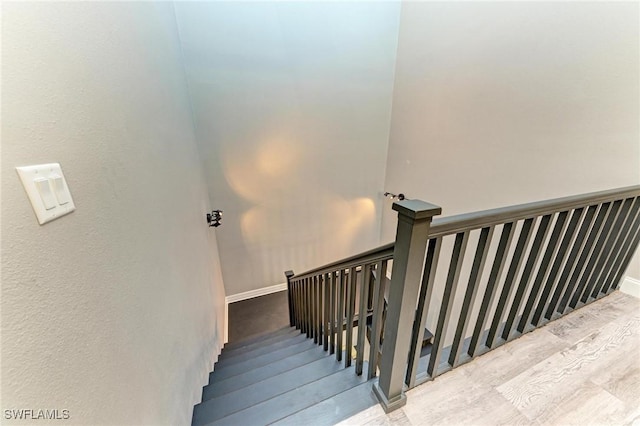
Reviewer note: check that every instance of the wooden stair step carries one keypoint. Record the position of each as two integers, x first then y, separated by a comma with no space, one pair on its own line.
241,399
238,347
281,342
260,361
290,402
220,387
335,409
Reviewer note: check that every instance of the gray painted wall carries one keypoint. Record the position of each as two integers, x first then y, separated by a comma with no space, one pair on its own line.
292,104
504,103
113,312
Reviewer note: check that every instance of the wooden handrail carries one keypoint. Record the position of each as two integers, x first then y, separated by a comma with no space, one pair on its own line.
467,221
453,224
369,256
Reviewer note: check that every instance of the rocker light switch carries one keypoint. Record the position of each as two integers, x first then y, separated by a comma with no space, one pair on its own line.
48,200
47,190
60,188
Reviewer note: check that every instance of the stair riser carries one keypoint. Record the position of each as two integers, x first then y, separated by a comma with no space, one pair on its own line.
220,387
260,361
269,346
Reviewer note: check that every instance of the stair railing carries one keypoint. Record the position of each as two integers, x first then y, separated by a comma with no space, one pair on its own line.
551,257
323,305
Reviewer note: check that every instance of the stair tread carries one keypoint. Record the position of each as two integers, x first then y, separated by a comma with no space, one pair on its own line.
241,399
261,350
257,341
219,387
260,361
290,402
335,409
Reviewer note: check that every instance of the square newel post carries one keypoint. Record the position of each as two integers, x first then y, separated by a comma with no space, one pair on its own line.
414,220
289,274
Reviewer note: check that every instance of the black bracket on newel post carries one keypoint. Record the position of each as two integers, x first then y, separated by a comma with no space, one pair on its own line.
414,221
289,274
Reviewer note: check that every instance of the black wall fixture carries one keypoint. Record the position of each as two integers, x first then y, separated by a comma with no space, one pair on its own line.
214,218
399,197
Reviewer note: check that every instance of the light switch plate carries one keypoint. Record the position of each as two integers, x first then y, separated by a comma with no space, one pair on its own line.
32,180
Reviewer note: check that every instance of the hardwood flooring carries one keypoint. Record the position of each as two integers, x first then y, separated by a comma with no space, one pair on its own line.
260,315
582,369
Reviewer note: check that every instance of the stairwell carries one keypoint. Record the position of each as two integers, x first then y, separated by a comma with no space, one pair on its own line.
568,253
281,378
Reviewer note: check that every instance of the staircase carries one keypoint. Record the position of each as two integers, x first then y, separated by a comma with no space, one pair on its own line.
281,378
549,258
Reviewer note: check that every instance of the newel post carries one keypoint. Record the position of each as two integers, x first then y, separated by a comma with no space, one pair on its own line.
414,220
290,274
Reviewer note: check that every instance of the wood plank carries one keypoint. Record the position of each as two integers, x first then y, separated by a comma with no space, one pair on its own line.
506,362
266,347
454,399
293,401
587,405
229,403
335,409
556,378
260,361
581,323
232,346
222,386
622,377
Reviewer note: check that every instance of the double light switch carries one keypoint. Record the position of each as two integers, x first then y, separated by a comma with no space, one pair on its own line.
47,190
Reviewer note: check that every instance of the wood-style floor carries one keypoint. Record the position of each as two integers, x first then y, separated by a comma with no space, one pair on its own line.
260,315
583,369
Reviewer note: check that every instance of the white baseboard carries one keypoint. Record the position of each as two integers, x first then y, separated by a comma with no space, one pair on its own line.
255,293
631,286
244,296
